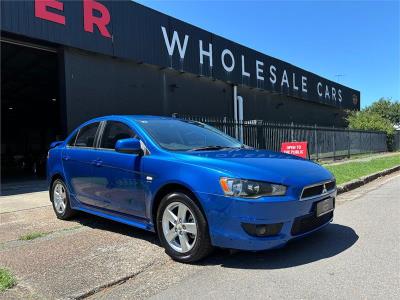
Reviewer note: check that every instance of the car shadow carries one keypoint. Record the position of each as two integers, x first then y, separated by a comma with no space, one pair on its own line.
100,223
330,241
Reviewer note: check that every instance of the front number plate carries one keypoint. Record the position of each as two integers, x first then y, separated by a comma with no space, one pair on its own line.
324,207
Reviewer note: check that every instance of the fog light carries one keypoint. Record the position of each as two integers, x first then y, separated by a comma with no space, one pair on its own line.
262,230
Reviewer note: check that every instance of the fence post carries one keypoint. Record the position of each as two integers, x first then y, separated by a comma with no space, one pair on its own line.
260,134
291,131
225,125
348,143
370,142
333,143
315,140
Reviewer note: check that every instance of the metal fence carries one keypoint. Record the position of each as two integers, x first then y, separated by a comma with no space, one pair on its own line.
323,142
396,141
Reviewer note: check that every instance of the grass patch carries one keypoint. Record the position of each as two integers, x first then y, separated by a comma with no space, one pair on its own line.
37,234
7,280
32,236
353,170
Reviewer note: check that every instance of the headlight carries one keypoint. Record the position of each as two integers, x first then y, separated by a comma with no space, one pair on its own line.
250,189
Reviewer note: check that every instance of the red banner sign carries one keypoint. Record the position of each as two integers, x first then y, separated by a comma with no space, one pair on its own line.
295,148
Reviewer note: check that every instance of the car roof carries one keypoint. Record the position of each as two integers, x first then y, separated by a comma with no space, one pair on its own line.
131,117
147,117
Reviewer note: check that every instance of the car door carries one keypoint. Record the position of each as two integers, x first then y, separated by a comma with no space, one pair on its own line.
78,160
118,176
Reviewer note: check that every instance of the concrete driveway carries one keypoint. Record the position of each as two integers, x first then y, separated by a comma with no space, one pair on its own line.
357,256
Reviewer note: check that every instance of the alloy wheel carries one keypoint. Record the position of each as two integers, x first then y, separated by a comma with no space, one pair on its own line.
179,227
60,198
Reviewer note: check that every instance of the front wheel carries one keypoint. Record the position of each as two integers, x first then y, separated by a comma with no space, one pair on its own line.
60,199
182,228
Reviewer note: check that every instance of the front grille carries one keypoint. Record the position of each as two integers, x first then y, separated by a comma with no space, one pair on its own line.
309,222
318,189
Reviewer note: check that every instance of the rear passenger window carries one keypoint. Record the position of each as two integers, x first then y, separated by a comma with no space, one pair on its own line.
87,135
113,132
71,142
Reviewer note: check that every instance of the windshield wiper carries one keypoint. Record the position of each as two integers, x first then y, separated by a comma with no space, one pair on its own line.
211,147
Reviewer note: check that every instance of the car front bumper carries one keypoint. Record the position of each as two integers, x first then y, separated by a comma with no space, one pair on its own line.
226,216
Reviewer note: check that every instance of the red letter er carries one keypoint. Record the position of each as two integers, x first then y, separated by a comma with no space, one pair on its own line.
42,12
89,19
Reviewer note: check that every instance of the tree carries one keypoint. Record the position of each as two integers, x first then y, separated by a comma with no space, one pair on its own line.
366,120
386,108
381,115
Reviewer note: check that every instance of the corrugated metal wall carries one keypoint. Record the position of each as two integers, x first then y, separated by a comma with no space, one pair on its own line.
137,35
97,85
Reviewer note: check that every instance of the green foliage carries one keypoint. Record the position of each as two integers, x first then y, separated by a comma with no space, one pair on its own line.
366,120
7,280
389,110
380,115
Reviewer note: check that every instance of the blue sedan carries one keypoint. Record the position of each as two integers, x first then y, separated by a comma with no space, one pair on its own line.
192,184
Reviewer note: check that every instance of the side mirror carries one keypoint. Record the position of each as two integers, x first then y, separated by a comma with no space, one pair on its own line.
129,146
56,144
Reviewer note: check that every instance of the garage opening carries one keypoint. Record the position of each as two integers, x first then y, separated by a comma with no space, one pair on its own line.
30,110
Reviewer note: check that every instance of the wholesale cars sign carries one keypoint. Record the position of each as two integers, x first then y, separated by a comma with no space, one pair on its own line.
129,30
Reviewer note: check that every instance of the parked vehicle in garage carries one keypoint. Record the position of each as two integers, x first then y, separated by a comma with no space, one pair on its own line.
192,184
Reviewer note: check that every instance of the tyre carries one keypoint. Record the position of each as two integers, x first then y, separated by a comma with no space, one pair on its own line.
60,199
182,228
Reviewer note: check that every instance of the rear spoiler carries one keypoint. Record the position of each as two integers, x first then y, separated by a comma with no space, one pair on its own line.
55,144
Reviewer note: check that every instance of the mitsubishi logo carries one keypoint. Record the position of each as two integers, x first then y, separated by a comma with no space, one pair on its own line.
324,191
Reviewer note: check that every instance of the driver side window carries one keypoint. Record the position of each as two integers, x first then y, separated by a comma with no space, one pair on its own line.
113,132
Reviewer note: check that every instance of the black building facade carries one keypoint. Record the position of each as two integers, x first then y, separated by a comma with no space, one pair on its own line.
64,62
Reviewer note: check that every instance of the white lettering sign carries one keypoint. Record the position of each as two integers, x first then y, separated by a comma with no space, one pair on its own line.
205,53
297,79
259,70
175,40
244,73
226,67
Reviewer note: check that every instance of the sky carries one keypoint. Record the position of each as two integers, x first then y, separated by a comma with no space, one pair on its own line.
355,43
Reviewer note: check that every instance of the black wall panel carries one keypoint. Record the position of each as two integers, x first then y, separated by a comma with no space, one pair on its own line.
98,85
137,35
273,107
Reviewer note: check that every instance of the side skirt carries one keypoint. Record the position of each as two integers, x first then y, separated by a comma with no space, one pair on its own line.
114,216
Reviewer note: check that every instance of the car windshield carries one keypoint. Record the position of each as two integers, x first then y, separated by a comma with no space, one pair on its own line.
182,135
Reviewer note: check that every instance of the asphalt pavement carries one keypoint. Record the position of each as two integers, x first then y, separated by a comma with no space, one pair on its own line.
355,257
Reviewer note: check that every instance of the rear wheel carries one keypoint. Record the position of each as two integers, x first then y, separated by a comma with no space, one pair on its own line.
60,199
182,228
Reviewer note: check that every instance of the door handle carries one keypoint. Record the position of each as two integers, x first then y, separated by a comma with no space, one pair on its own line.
97,162
66,157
